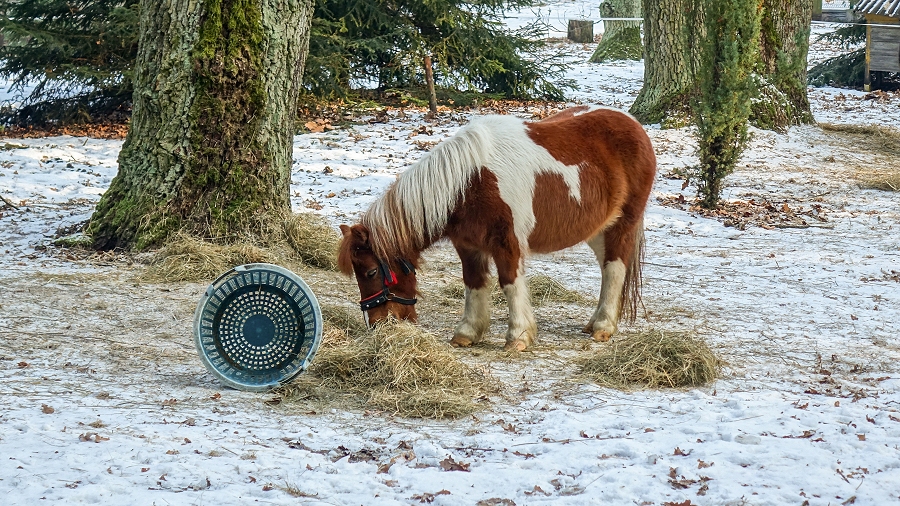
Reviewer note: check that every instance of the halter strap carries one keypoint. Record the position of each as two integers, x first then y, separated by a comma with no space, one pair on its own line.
388,279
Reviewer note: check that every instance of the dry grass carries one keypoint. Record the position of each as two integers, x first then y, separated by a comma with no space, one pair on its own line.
652,359
307,238
543,288
878,139
400,368
313,239
874,137
187,258
875,179
349,321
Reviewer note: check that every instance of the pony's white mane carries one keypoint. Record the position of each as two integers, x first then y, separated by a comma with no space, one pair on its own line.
415,209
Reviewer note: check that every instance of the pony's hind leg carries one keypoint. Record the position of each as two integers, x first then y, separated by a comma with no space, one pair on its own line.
522,331
613,248
477,313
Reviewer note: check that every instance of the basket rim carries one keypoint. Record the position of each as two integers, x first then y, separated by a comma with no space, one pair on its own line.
222,279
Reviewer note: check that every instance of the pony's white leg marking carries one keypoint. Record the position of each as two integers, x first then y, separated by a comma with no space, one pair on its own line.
598,245
522,327
476,317
606,319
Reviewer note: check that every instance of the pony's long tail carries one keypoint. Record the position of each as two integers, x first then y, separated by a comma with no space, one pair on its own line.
631,289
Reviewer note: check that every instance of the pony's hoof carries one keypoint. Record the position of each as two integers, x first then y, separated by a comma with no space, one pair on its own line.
461,342
517,345
601,336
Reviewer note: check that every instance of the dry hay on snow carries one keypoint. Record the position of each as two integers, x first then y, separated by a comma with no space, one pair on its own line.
344,319
652,359
313,239
187,258
307,238
877,139
543,288
400,368
884,178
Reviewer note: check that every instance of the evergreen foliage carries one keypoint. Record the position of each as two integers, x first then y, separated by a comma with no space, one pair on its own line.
384,42
70,60
848,69
729,55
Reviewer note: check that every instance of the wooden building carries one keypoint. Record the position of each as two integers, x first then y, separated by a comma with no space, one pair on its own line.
882,38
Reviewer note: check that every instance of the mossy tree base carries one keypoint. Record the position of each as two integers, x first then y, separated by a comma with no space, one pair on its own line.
621,44
209,146
784,45
672,29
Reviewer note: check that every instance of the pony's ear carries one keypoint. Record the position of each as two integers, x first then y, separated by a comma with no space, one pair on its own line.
345,230
361,234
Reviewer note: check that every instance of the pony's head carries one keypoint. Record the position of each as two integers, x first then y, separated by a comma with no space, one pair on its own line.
387,286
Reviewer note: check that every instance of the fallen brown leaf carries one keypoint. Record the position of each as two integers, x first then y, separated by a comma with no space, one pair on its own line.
449,464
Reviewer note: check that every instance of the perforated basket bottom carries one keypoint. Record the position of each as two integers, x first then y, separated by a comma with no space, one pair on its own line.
258,328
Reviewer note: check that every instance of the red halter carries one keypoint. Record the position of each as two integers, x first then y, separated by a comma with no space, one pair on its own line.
388,279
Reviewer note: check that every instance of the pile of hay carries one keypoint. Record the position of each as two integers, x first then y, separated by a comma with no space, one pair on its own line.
879,179
307,238
402,369
879,139
652,359
543,288
187,258
313,239
348,321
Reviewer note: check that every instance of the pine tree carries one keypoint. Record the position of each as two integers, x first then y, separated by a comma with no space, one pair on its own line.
77,56
729,54
847,70
384,42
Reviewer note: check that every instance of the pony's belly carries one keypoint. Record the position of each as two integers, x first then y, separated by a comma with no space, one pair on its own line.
561,221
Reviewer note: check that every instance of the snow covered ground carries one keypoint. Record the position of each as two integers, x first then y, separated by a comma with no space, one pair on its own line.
105,401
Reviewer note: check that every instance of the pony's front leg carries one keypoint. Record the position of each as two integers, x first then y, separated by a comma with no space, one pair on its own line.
477,313
522,332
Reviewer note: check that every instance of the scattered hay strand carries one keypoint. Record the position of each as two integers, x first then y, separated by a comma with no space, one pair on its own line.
652,359
187,258
543,288
405,370
313,239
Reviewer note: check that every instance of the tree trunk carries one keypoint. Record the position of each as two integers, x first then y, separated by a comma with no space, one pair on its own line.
581,31
672,31
621,39
784,44
209,145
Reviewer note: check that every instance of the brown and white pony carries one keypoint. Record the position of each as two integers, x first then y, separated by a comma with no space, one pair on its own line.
502,188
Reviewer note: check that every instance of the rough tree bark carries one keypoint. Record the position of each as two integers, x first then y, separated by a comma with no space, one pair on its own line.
621,39
784,45
672,31
209,146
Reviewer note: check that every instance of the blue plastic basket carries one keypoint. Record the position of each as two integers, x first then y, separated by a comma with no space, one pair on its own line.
257,327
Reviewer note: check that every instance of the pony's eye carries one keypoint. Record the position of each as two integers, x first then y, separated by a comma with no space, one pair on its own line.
372,273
